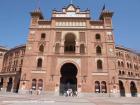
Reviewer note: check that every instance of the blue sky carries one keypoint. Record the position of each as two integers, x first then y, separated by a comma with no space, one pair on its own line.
15,18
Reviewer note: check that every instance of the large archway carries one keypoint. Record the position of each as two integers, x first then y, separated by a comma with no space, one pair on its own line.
133,89
68,78
9,85
122,89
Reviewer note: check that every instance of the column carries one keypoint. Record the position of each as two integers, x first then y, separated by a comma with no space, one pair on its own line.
5,81
13,84
77,50
138,88
127,88
62,47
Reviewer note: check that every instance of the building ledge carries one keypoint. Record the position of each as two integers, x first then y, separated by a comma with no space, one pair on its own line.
99,73
2,74
38,72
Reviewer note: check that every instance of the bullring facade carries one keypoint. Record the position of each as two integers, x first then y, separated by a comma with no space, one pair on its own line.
71,51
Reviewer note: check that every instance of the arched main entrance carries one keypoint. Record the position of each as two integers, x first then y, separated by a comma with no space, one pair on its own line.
68,78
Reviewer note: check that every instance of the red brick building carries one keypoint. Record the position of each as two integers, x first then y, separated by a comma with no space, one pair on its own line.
3,50
72,51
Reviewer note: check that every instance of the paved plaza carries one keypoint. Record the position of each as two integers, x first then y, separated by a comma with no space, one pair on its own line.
17,99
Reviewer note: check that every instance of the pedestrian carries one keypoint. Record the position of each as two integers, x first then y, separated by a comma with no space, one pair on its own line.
68,93
30,91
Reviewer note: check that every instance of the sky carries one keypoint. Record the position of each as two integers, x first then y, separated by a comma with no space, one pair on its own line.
15,18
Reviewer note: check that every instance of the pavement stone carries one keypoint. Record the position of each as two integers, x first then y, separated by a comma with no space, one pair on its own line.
18,99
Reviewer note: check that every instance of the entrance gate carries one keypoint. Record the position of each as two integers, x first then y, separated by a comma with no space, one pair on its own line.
68,78
133,89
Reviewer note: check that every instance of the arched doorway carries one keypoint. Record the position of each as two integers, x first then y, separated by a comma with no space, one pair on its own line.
40,84
17,81
68,78
34,83
9,85
103,87
97,87
1,84
122,89
133,89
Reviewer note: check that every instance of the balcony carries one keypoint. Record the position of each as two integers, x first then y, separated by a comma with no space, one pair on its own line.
69,52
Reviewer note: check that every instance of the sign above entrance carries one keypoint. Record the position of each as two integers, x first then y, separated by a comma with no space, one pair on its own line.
71,11
71,14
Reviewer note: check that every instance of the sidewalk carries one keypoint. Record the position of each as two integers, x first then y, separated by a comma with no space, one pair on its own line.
18,99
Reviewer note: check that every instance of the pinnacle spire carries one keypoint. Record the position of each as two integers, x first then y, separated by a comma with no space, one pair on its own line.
103,7
37,11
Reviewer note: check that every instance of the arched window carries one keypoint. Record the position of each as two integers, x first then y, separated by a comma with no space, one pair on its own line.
82,48
127,65
97,87
70,43
41,48
21,62
103,87
40,84
34,84
130,65
39,63
120,72
129,74
43,36
98,37
119,54
119,64
123,73
135,66
122,64
98,50
99,65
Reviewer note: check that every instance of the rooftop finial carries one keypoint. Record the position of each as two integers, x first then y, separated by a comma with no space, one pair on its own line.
103,7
